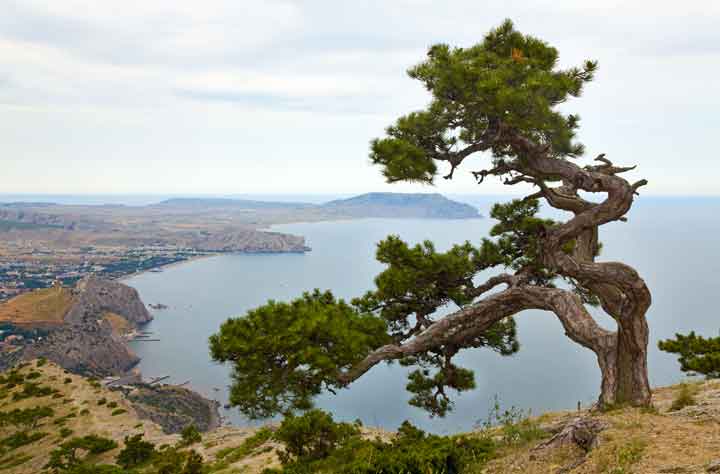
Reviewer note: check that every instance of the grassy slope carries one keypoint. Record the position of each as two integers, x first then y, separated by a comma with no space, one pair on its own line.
79,394
636,441
48,306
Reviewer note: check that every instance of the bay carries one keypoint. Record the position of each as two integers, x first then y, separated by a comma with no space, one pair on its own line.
672,242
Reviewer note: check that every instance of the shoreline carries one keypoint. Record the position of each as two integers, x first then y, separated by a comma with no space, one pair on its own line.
124,278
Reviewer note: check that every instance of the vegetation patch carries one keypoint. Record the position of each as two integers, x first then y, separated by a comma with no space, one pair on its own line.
684,397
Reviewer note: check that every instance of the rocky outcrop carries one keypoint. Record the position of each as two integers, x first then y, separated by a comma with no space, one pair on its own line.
86,346
174,408
86,343
94,295
250,241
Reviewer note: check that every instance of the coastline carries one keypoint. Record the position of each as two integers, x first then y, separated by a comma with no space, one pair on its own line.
124,278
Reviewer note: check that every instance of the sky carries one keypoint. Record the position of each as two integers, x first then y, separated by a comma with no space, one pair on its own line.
243,96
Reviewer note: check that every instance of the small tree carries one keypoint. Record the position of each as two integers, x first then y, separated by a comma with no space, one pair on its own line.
496,101
190,435
697,354
135,452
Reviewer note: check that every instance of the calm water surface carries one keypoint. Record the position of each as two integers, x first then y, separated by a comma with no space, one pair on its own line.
672,242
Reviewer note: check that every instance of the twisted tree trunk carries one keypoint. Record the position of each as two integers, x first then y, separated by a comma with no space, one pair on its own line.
622,293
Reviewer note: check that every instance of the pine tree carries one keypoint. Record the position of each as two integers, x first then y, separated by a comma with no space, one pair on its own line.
698,355
495,102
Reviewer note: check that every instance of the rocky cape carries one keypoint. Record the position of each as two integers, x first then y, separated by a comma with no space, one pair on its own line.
86,343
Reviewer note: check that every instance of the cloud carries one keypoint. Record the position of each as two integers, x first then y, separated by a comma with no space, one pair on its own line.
211,84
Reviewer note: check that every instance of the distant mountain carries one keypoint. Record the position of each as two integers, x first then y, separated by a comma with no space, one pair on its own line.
391,205
434,206
230,203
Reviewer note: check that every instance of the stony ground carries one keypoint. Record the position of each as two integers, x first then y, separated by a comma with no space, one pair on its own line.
636,441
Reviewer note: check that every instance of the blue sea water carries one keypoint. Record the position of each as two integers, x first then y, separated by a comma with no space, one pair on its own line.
673,242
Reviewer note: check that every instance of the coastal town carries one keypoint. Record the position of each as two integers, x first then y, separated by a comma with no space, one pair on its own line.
43,269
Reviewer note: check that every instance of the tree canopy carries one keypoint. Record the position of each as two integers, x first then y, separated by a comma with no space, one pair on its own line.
495,102
698,355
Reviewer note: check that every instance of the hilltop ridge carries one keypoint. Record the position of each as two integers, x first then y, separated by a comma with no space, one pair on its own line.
374,204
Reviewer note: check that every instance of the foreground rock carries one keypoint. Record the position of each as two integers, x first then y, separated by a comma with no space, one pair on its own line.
173,407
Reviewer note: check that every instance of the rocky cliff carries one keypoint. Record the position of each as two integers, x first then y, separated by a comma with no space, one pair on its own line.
247,241
85,346
96,296
86,343
174,407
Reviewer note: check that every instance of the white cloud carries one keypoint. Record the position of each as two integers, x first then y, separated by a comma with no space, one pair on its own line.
207,97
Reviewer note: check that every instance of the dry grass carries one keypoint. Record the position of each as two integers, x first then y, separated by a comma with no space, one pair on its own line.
43,306
119,324
639,441
635,442
81,394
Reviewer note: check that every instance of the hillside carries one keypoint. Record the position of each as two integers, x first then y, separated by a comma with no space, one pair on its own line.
81,407
387,205
630,440
433,206
83,329
47,306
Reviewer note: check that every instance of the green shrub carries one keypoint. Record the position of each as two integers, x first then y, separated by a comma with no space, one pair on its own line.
33,375
117,412
21,438
84,411
227,456
31,389
102,401
312,436
67,380
65,457
685,397
65,432
28,417
136,452
190,435
173,461
515,425
13,378
41,361
339,448
112,405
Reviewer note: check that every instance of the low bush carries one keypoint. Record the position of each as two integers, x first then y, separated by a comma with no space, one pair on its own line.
117,412
136,452
67,380
65,432
190,435
515,426
102,401
31,389
339,448
21,438
66,457
684,397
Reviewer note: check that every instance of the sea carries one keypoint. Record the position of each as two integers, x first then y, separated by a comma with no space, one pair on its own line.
672,241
